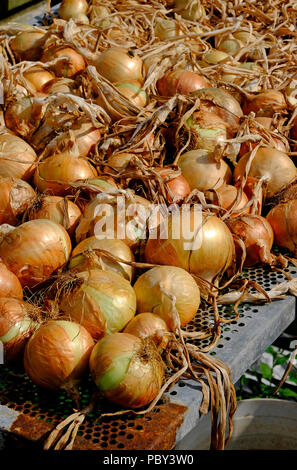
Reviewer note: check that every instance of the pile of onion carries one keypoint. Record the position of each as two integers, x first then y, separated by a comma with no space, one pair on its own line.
16,196
57,355
257,234
127,370
55,174
87,255
283,221
201,244
202,172
16,326
101,301
58,209
16,157
152,289
34,250
276,166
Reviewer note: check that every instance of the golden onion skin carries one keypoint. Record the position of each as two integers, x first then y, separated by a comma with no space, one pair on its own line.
10,286
103,302
14,148
127,371
175,281
282,219
118,65
57,355
16,196
34,250
149,325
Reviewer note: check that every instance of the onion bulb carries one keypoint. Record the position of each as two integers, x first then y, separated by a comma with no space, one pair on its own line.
57,355
15,197
132,90
37,77
16,157
151,288
23,115
202,172
34,250
250,190
10,286
257,235
192,11
27,45
72,9
176,187
16,325
201,244
71,66
273,164
181,81
127,370
266,103
117,65
58,209
214,57
282,219
166,29
231,45
149,325
55,174
103,302
85,256
225,197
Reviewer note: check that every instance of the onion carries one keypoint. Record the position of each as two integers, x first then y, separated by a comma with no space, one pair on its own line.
84,256
27,45
276,143
150,287
177,188
244,36
23,115
73,9
57,355
34,250
249,189
149,325
282,219
205,249
225,197
10,286
192,11
15,197
118,162
55,174
86,137
103,302
16,157
207,130
131,221
265,104
37,77
16,326
59,85
118,65
275,165
127,370
257,235
231,46
166,29
202,172
214,57
67,68
132,90
180,81
58,209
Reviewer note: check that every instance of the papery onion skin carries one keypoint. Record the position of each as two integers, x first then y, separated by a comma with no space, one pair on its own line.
23,115
57,355
225,197
265,104
103,302
181,81
16,326
65,68
149,325
202,172
207,252
57,209
257,235
81,262
127,370
10,286
277,166
16,196
27,45
283,221
175,281
55,174
17,157
249,189
34,250
86,137
118,64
